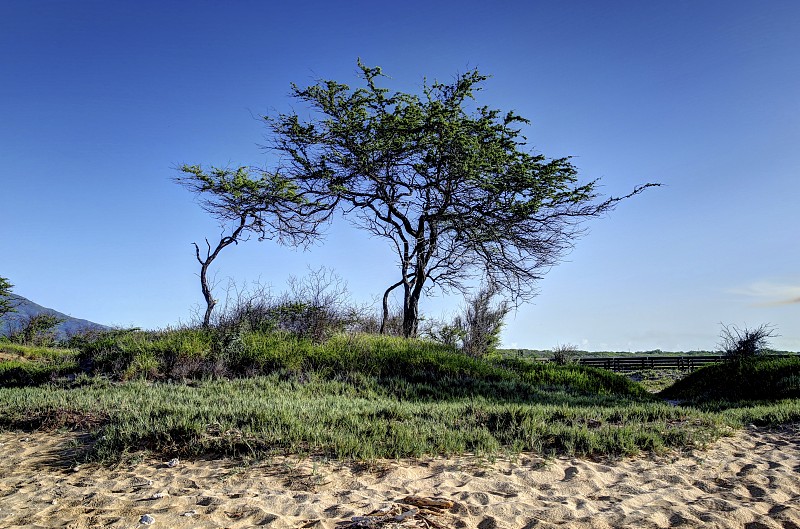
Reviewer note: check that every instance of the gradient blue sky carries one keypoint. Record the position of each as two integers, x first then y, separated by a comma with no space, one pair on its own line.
99,101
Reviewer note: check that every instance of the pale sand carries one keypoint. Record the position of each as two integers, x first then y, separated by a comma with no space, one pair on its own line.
751,480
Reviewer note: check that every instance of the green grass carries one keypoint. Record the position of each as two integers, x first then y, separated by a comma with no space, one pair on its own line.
760,391
266,415
29,365
413,368
31,352
192,392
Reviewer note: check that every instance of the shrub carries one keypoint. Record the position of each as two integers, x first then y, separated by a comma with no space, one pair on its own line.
449,334
109,351
315,308
483,322
370,323
564,354
740,344
39,330
476,331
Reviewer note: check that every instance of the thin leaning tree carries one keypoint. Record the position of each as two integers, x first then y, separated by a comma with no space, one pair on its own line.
449,184
248,202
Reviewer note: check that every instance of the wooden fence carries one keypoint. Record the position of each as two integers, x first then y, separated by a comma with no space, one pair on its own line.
635,363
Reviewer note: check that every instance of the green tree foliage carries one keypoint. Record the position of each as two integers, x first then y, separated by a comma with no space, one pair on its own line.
7,305
450,185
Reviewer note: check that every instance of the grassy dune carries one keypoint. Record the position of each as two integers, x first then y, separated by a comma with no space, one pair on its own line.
193,392
750,380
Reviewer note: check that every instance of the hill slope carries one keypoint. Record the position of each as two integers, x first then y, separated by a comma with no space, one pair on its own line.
26,309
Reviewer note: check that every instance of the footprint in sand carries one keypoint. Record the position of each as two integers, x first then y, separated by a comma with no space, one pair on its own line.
208,501
480,498
569,473
756,492
488,523
746,470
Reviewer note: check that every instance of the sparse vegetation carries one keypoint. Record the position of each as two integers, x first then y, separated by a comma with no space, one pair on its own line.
314,307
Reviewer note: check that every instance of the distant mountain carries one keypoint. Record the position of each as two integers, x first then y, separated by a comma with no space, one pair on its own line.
26,309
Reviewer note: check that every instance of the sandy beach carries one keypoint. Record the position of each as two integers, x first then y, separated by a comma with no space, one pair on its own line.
750,480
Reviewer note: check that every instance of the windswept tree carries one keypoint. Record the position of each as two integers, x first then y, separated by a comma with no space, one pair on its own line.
247,202
451,185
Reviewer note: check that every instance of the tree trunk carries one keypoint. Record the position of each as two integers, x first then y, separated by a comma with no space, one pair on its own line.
410,317
385,317
210,301
411,314
233,238
413,290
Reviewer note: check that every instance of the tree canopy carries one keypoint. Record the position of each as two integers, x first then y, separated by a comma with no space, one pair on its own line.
450,185
7,305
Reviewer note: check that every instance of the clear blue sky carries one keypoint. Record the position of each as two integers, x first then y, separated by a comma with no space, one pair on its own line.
100,100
